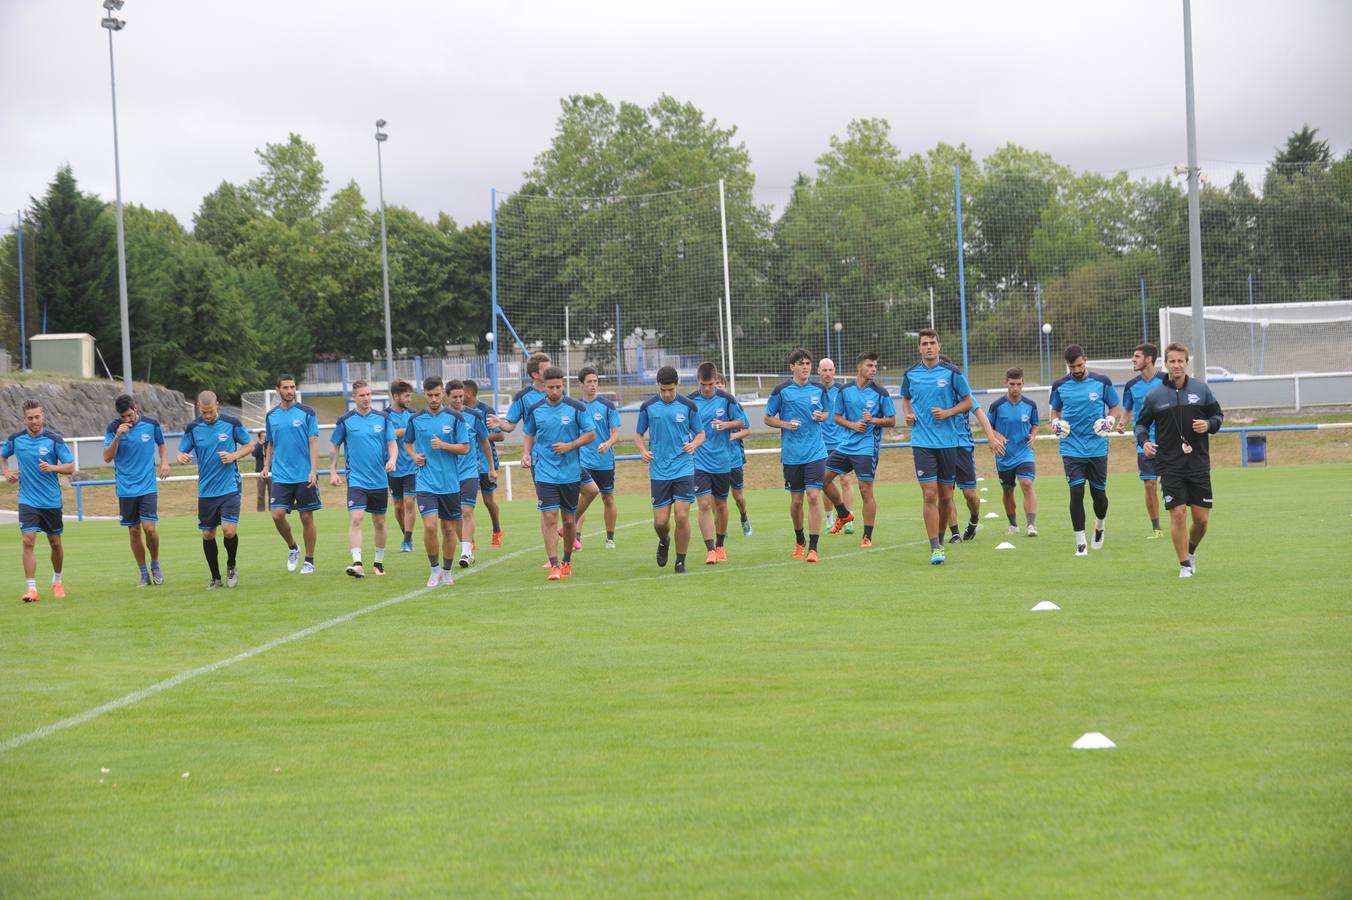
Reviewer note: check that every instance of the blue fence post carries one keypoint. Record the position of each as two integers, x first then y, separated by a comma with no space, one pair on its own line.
1243,449
962,281
342,374
79,501
23,327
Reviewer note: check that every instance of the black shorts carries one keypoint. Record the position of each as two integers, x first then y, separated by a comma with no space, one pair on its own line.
716,483
1189,490
1092,469
557,496
844,464
805,476
373,501
486,486
134,510
40,518
935,464
213,511
964,469
1145,465
737,479
604,478
672,490
403,484
469,491
1024,471
445,507
298,497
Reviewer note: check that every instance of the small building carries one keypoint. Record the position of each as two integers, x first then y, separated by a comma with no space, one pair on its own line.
66,354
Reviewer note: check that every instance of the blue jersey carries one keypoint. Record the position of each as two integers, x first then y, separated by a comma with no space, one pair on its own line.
1133,397
440,473
205,440
1015,421
399,420
1080,403
38,489
669,427
289,432
963,424
927,387
472,463
551,423
853,403
832,434
522,401
135,459
738,453
487,411
366,447
791,400
605,418
716,454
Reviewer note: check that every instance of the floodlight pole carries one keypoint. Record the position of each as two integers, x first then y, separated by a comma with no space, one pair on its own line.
381,137
1194,207
727,284
112,23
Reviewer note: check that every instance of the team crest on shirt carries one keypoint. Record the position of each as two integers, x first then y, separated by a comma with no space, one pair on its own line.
596,416
1193,398
680,417
378,428
1023,418
1093,395
445,429
43,451
719,412
942,382
869,404
144,438
816,401
564,420
295,423
222,437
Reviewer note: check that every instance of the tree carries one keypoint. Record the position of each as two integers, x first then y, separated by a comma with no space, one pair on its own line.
219,222
291,186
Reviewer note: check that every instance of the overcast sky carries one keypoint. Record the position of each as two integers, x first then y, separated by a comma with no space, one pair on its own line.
471,90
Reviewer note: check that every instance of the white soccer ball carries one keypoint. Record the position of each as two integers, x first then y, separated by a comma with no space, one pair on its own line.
1060,428
1104,427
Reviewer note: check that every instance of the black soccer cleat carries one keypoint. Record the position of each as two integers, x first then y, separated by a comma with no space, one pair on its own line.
663,550
679,568
970,533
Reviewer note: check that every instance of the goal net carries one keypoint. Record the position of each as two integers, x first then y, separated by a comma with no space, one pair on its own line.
1268,338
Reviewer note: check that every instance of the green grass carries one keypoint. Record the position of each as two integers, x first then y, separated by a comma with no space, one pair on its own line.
868,726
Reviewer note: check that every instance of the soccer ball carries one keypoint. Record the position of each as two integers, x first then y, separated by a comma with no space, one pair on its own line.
1104,427
1060,428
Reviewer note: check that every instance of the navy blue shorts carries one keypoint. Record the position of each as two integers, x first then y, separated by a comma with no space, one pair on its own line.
604,478
557,496
469,491
1092,469
486,486
675,490
1027,471
213,511
808,476
716,483
373,501
403,484
737,479
1145,465
843,464
964,469
40,518
135,510
935,464
445,507
296,497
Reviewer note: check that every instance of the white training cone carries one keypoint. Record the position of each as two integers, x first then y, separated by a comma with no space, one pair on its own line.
1093,741
984,490
981,478
992,515
1045,606
1004,545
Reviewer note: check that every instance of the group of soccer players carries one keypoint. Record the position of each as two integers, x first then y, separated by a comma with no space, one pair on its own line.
443,458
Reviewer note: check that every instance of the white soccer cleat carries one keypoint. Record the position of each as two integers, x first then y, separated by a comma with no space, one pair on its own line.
1081,550
356,570
466,560
1185,571
1192,562
292,559
307,569
434,579
447,577
1013,529
1097,543
1032,531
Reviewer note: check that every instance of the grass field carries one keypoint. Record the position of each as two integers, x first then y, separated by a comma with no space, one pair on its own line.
866,726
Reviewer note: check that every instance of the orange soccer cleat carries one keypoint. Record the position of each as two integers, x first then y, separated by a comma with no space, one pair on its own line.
59,591
799,551
841,522
31,595
555,574
722,553
866,541
497,539
566,569
812,556
711,557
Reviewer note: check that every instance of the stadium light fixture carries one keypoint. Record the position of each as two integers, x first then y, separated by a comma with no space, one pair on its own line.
381,137
111,24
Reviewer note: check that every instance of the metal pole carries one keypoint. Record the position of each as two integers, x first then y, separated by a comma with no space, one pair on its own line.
931,290
1145,327
826,298
962,281
1194,207
1252,340
23,328
567,351
1037,295
732,364
381,137
114,24
727,280
493,299
619,360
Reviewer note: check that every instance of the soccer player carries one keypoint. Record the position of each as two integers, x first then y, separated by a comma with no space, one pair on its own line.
965,466
525,398
490,464
737,474
479,450
367,438
1015,418
436,438
1174,426
863,408
292,462
133,443
933,395
555,428
667,436
798,407
404,479
1146,379
1079,399
42,457
216,443
831,437
719,417
598,457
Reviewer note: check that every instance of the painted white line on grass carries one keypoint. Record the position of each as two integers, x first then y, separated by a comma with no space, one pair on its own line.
162,686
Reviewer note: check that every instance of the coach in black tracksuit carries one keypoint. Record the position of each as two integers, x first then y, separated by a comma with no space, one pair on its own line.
1185,414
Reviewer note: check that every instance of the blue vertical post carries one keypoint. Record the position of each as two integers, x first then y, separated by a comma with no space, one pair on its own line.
962,281
619,360
840,349
493,297
1252,341
342,374
23,330
1041,371
1145,326
417,372
826,299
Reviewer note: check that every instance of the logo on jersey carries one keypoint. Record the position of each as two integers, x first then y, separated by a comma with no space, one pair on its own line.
1093,395
1193,398
816,401
680,417
43,451
869,404
565,420
1024,418
597,416
378,428
445,429
222,437
942,382
144,438
295,423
